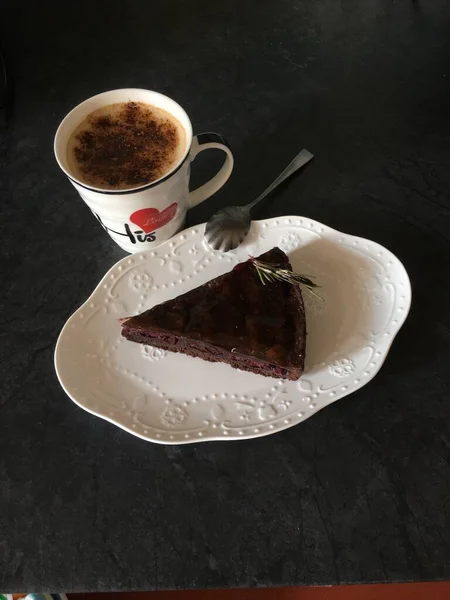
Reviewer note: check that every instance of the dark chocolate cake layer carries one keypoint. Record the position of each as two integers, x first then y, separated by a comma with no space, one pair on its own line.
233,319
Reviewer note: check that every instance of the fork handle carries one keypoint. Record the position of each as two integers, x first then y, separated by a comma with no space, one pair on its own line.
299,161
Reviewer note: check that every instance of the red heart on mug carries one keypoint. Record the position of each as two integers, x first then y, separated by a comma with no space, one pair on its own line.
149,219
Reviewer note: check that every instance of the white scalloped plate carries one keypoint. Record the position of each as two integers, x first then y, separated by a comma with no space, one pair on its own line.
175,399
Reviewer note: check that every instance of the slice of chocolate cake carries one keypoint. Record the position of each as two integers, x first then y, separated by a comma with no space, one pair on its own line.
233,319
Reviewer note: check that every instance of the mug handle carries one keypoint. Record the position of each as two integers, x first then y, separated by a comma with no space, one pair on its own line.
207,141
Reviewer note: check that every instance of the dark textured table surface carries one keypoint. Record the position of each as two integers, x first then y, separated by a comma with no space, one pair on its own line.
361,491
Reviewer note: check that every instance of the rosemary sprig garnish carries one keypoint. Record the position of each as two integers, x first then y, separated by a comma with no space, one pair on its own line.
269,273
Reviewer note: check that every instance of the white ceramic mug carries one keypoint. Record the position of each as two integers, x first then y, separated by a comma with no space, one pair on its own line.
140,218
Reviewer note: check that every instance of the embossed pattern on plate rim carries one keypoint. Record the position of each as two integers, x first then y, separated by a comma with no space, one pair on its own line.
269,412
